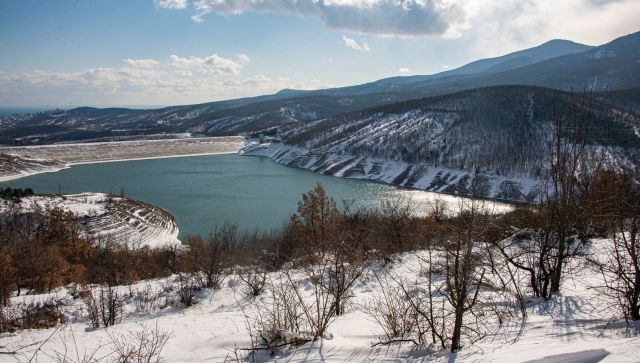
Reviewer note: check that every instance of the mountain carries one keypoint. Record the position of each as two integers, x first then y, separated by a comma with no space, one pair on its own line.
558,64
500,136
551,49
612,66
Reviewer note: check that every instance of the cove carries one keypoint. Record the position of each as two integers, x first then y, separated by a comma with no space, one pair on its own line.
204,191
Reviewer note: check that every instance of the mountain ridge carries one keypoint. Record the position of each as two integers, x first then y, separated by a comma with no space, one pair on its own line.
553,64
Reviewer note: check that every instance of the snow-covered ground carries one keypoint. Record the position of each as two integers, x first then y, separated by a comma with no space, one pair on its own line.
395,172
107,217
573,327
59,156
13,166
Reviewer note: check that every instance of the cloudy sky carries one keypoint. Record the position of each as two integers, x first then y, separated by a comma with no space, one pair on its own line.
162,52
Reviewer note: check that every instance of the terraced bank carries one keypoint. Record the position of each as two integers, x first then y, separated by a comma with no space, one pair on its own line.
108,219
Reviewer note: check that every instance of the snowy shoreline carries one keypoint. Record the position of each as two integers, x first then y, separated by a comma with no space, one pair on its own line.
66,155
69,165
455,183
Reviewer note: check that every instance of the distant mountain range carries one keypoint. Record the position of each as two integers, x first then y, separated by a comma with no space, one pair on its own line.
558,64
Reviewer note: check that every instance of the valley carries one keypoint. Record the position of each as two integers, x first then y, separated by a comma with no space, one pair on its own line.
241,207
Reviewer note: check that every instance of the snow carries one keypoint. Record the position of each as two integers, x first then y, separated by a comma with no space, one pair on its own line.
102,216
427,178
573,327
60,156
585,356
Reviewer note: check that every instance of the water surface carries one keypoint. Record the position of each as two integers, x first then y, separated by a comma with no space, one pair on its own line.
204,191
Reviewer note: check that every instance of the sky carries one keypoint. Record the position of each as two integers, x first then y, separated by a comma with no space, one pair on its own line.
68,53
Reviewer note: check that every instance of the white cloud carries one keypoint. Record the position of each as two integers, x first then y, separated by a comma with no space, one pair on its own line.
498,27
386,17
493,25
404,70
141,63
243,58
176,80
210,65
172,4
183,73
353,44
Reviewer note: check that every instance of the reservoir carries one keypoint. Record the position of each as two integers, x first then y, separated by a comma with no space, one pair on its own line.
204,191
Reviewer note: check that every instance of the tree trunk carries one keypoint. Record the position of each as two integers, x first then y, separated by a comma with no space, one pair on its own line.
457,330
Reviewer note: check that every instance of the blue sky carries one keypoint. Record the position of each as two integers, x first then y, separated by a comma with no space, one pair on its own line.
160,52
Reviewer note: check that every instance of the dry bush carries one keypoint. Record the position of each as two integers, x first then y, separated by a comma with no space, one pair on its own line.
392,311
106,309
286,318
253,277
74,354
42,315
321,311
39,315
278,321
144,346
210,260
429,309
145,299
188,286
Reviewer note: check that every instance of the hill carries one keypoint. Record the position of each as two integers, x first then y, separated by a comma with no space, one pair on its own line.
501,137
558,64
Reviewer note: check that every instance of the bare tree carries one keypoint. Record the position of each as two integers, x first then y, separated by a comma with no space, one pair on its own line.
464,272
550,233
106,309
619,261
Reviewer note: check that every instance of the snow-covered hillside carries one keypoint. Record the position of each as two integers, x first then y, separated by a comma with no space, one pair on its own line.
500,140
400,173
13,166
574,327
107,218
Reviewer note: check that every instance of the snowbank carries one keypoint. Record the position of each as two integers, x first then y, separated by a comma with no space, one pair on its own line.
574,327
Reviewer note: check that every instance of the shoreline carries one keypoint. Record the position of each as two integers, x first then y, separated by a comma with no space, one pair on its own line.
504,203
115,142
508,203
241,152
69,165
64,156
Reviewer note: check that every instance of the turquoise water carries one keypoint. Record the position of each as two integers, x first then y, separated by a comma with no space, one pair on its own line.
205,191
